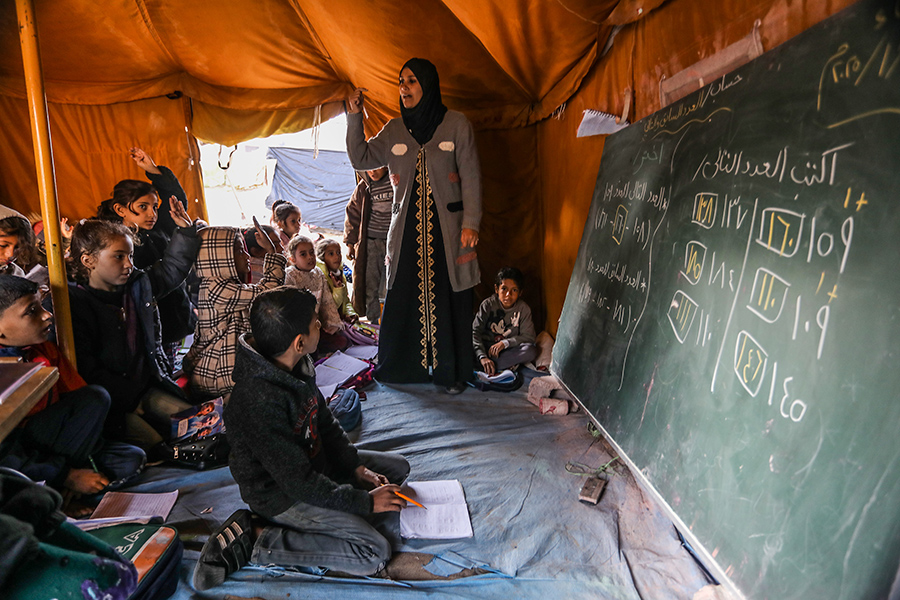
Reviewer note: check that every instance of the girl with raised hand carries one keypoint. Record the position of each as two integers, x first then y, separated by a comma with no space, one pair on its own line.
223,266
137,205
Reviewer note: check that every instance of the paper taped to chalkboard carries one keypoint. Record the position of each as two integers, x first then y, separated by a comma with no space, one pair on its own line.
596,122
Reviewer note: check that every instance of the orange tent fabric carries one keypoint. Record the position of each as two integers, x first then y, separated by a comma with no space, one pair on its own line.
235,70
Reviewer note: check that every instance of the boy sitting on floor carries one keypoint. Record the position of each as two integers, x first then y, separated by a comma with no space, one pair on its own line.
318,503
502,332
60,439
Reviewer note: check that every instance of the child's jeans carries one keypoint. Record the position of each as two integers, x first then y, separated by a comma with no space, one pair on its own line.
309,536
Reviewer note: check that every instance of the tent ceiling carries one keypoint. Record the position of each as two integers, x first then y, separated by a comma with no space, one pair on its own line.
505,63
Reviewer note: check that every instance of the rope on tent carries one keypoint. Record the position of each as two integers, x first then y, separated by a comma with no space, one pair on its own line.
228,179
314,133
236,199
230,154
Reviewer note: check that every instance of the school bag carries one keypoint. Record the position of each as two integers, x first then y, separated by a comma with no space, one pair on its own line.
346,408
154,550
202,453
43,556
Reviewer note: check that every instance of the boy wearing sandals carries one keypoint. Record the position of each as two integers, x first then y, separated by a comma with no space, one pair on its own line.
316,500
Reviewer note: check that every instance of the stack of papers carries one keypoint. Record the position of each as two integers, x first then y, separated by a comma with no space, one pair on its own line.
337,369
124,507
445,516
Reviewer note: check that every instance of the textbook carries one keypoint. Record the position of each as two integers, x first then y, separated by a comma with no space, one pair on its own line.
198,421
337,369
445,515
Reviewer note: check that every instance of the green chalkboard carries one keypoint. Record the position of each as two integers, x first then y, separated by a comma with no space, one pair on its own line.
733,319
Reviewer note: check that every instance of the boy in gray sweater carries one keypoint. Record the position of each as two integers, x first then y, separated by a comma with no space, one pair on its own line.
316,499
502,332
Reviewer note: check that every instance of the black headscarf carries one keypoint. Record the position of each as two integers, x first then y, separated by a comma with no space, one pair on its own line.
422,119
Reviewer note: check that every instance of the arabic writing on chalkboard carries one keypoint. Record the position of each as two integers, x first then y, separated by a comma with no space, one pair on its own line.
733,315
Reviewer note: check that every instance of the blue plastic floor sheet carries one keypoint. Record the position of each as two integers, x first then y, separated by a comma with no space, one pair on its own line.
529,527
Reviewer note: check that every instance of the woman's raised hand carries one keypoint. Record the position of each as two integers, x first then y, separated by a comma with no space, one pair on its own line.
179,213
355,101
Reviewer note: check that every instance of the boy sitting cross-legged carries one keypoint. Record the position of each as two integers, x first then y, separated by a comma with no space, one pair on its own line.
502,332
315,499
60,439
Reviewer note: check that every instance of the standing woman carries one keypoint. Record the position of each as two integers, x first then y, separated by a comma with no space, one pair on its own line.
431,261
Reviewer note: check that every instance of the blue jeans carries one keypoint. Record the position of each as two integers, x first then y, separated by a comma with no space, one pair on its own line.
310,536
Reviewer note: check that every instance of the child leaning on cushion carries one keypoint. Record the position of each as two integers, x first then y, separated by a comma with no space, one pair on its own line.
503,332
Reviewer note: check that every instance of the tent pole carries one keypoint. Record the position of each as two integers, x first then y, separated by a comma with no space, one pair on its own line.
43,159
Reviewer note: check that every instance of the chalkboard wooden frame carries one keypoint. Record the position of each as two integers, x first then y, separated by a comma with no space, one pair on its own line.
734,310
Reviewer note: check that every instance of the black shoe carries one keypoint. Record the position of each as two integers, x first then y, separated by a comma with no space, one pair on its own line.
457,388
226,551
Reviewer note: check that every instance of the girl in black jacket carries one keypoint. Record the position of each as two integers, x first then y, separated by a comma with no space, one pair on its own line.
137,205
117,328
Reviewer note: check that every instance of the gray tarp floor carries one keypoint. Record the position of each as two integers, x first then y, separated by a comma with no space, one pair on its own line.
532,535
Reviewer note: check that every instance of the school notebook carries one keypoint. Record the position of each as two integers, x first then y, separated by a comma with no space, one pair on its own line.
445,516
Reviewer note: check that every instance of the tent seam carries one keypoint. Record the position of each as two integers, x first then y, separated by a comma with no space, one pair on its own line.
318,41
148,23
517,83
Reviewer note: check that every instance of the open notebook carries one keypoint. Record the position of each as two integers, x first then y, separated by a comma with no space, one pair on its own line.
445,516
125,507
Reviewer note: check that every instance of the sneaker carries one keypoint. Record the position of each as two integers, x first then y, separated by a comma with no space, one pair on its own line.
226,551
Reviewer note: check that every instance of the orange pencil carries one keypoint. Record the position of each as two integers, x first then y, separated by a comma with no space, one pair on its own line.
408,499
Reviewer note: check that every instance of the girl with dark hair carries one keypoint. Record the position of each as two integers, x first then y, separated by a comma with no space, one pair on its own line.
17,242
137,205
287,218
117,329
431,260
